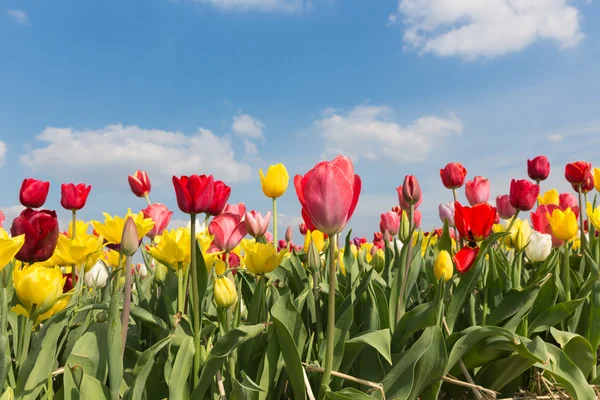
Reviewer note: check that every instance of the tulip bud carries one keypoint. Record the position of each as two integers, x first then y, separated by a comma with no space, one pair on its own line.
74,197
453,175
378,260
314,258
404,228
224,292
538,169
33,193
97,276
540,246
519,235
549,197
478,190
140,183
275,183
389,223
446,212
129,241
523,194
505,209
443,266
576,172
596,174
303,228
288,234
256,225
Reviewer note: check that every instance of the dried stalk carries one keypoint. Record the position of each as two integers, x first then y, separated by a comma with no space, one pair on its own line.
376,386
456,382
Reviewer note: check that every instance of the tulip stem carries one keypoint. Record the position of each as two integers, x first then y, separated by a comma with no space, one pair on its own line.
567,273
126,300
581,227
195,300
400,307
180,292
73,234
330,315
275,223
147,199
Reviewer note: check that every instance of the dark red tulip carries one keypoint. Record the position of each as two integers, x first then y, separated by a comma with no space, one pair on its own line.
465,258
587,185
523,194
505,209
74,197
474,223
33,193
194,193
538,169
140,183
411,191
576,172
453,175
41,234
403,203
220,196
303,228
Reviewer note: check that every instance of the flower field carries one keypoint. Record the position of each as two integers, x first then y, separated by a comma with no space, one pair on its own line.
502,300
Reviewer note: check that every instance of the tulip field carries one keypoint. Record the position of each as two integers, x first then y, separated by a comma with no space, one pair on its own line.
502,300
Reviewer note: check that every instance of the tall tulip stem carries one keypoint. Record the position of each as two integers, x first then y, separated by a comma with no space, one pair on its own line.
126,300
581,227
400,306
195,299
330,312
147,199
275,223
73,234
567,272
180,289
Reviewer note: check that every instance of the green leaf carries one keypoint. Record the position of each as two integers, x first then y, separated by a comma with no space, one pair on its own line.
553,315
514,307
445,242
268,365
593,334
115,347
142,369
577,348
178,387
431,366
379,340
158,325
497,374
92,388
348,394
417,319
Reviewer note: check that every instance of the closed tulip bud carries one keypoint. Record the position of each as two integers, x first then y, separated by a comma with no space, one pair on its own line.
314,257
404,228
519,234
596,182
160,214
549,197
403,203
567,200
538,169
446,212
505,209
523,194
194,193
275,183
288,234
140,183
303,228
220,196
411,191
41,234
74,197
378,260
576,172
587,185
540,246
389,223
160,273
465,258
33,193
38,285
225,293
443,266
97,276
453,175
130,241
478,190
256,224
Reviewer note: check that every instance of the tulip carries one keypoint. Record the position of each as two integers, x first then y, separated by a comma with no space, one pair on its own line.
329,194
229,229
411,191
567,200
129,241
359,241
549,197
215,260
112,228
288,234
9,247
74,197
225,293
505,209
389,223
539,222
478,190
540,246
41,234
596,174
378,259
404,205
141,270
593,215
262,258
2,218
523,194
172,248
443,266
140,184
33,193
220,196
576,172
256,224
538,169
453,175
83,250
37,285
519,235
315,237
474,223
69,284
465,258
97,276
269,237
446,213
378,240
238,209
275,183
563,223
160,214
586,186
303,228
194,193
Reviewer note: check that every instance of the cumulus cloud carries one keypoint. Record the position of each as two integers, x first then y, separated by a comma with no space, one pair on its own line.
369,131
246,126
116,151
473,28
2,152
258,5
19,16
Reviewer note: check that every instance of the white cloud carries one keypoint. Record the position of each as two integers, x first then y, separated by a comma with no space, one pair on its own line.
368,131
258,5
250,148
19,16
555,137
2,152
475,28
392,18
10,213
113,152
246,126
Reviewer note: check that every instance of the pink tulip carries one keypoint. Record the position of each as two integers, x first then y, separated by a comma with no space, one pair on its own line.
446,211
505,209
389,223
403,203
160,214
329,194
229,229
567,200
269,237
239,209
256,224
288,234
478,190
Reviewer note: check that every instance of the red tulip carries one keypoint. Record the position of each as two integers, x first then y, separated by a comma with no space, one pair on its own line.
41,234
505,209
538,169
478,190
567,200
229,229
160,214
140,183
378,240
359,241
256,224
539,221
465,258
453,175
329,194
587,185
220,196
411,191
303,228
194,193
33,193
389,223
404,205
523,194
474,223
69,284
74,197
576,172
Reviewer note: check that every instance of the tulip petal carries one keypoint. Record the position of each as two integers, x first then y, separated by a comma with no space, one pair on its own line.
184,200
465,258
355,195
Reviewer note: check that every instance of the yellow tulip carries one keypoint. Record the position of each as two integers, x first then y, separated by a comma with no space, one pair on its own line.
205,239
275,183
60,305
38,285
225,293
83,249
111,258
341,261
549,197
428,241
81,228
443,266
563,224
520,238
9,247
172,248
378,261
597,178
215,260
593,214
316,237
112,228
262,258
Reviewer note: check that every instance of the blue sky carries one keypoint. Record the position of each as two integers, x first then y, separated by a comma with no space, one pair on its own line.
91,91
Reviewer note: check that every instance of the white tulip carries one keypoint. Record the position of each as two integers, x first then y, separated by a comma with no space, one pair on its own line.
97,276
142,270
540,246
